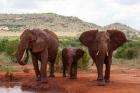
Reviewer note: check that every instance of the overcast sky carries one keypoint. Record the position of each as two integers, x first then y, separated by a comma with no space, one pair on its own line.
100,12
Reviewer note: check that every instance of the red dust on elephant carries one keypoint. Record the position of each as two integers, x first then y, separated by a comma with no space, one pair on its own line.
101,46
70,57
43,45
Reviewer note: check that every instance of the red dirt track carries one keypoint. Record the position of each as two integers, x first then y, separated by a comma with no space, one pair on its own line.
123,80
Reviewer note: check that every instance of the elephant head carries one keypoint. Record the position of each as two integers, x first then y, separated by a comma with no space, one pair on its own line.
79,53
103,41
32,40
101,46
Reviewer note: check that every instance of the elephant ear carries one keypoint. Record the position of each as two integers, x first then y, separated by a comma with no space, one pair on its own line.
117,38
39,43
79,53
87,38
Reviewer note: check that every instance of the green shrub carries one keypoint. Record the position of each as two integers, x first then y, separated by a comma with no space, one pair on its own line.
83,64
8,46
129,50
3,44
9,68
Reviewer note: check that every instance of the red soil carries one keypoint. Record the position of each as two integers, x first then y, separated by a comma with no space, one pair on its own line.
123,80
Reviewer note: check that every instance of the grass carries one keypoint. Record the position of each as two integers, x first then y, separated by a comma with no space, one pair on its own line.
133,63
17,34
67,40
10,68
9,33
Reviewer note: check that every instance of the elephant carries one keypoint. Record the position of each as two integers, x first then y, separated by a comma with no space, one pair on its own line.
101,45
43,46
70,57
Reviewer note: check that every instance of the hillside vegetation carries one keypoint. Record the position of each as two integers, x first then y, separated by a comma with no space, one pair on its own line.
68,30
57,23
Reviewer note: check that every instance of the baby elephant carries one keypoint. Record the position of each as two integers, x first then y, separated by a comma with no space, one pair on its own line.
70,57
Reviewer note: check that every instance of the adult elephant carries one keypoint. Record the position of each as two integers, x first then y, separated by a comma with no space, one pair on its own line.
70,57
43,45
101,46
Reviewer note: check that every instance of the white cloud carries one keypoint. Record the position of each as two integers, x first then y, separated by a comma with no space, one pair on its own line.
101,12
127,2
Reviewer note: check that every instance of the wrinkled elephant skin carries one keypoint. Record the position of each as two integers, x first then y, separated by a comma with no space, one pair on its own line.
43,46
101,46
70,57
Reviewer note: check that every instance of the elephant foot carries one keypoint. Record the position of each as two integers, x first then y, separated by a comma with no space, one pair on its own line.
73,77
107,80
64,75
38,78
44,81
101,83
52,76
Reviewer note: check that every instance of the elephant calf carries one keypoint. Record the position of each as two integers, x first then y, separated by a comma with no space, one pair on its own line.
70,57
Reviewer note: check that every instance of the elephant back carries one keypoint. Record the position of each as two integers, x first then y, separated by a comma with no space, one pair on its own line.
53,42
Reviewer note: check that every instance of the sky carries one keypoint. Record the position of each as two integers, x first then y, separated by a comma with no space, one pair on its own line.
100,12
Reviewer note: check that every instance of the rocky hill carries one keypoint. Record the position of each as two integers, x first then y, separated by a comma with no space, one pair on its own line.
129,32
54,22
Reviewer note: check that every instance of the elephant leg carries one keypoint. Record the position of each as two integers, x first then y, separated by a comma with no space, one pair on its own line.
100,78
71,71
100,71
64,69
36,68
43,70
107,71
99,61
75,70
52,70
52,62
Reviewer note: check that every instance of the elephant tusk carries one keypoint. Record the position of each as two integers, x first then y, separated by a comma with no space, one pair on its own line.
23,57
107,53
97,53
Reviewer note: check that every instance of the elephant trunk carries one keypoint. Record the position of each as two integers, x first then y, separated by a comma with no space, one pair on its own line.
102,49
22,56
70,68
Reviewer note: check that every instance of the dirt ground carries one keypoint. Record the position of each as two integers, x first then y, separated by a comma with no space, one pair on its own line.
123,80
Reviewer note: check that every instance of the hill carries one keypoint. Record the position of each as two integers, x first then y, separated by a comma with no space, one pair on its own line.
54,22
129,32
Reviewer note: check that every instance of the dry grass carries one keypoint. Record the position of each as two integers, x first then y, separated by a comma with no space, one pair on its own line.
69,34
133,63
4,33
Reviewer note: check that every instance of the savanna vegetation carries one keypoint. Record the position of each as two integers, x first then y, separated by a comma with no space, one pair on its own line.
68,29
128,54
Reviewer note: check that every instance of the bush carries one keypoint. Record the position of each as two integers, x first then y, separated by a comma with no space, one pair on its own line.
68,42
3,44
129,50
9,68
83,64
8,46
